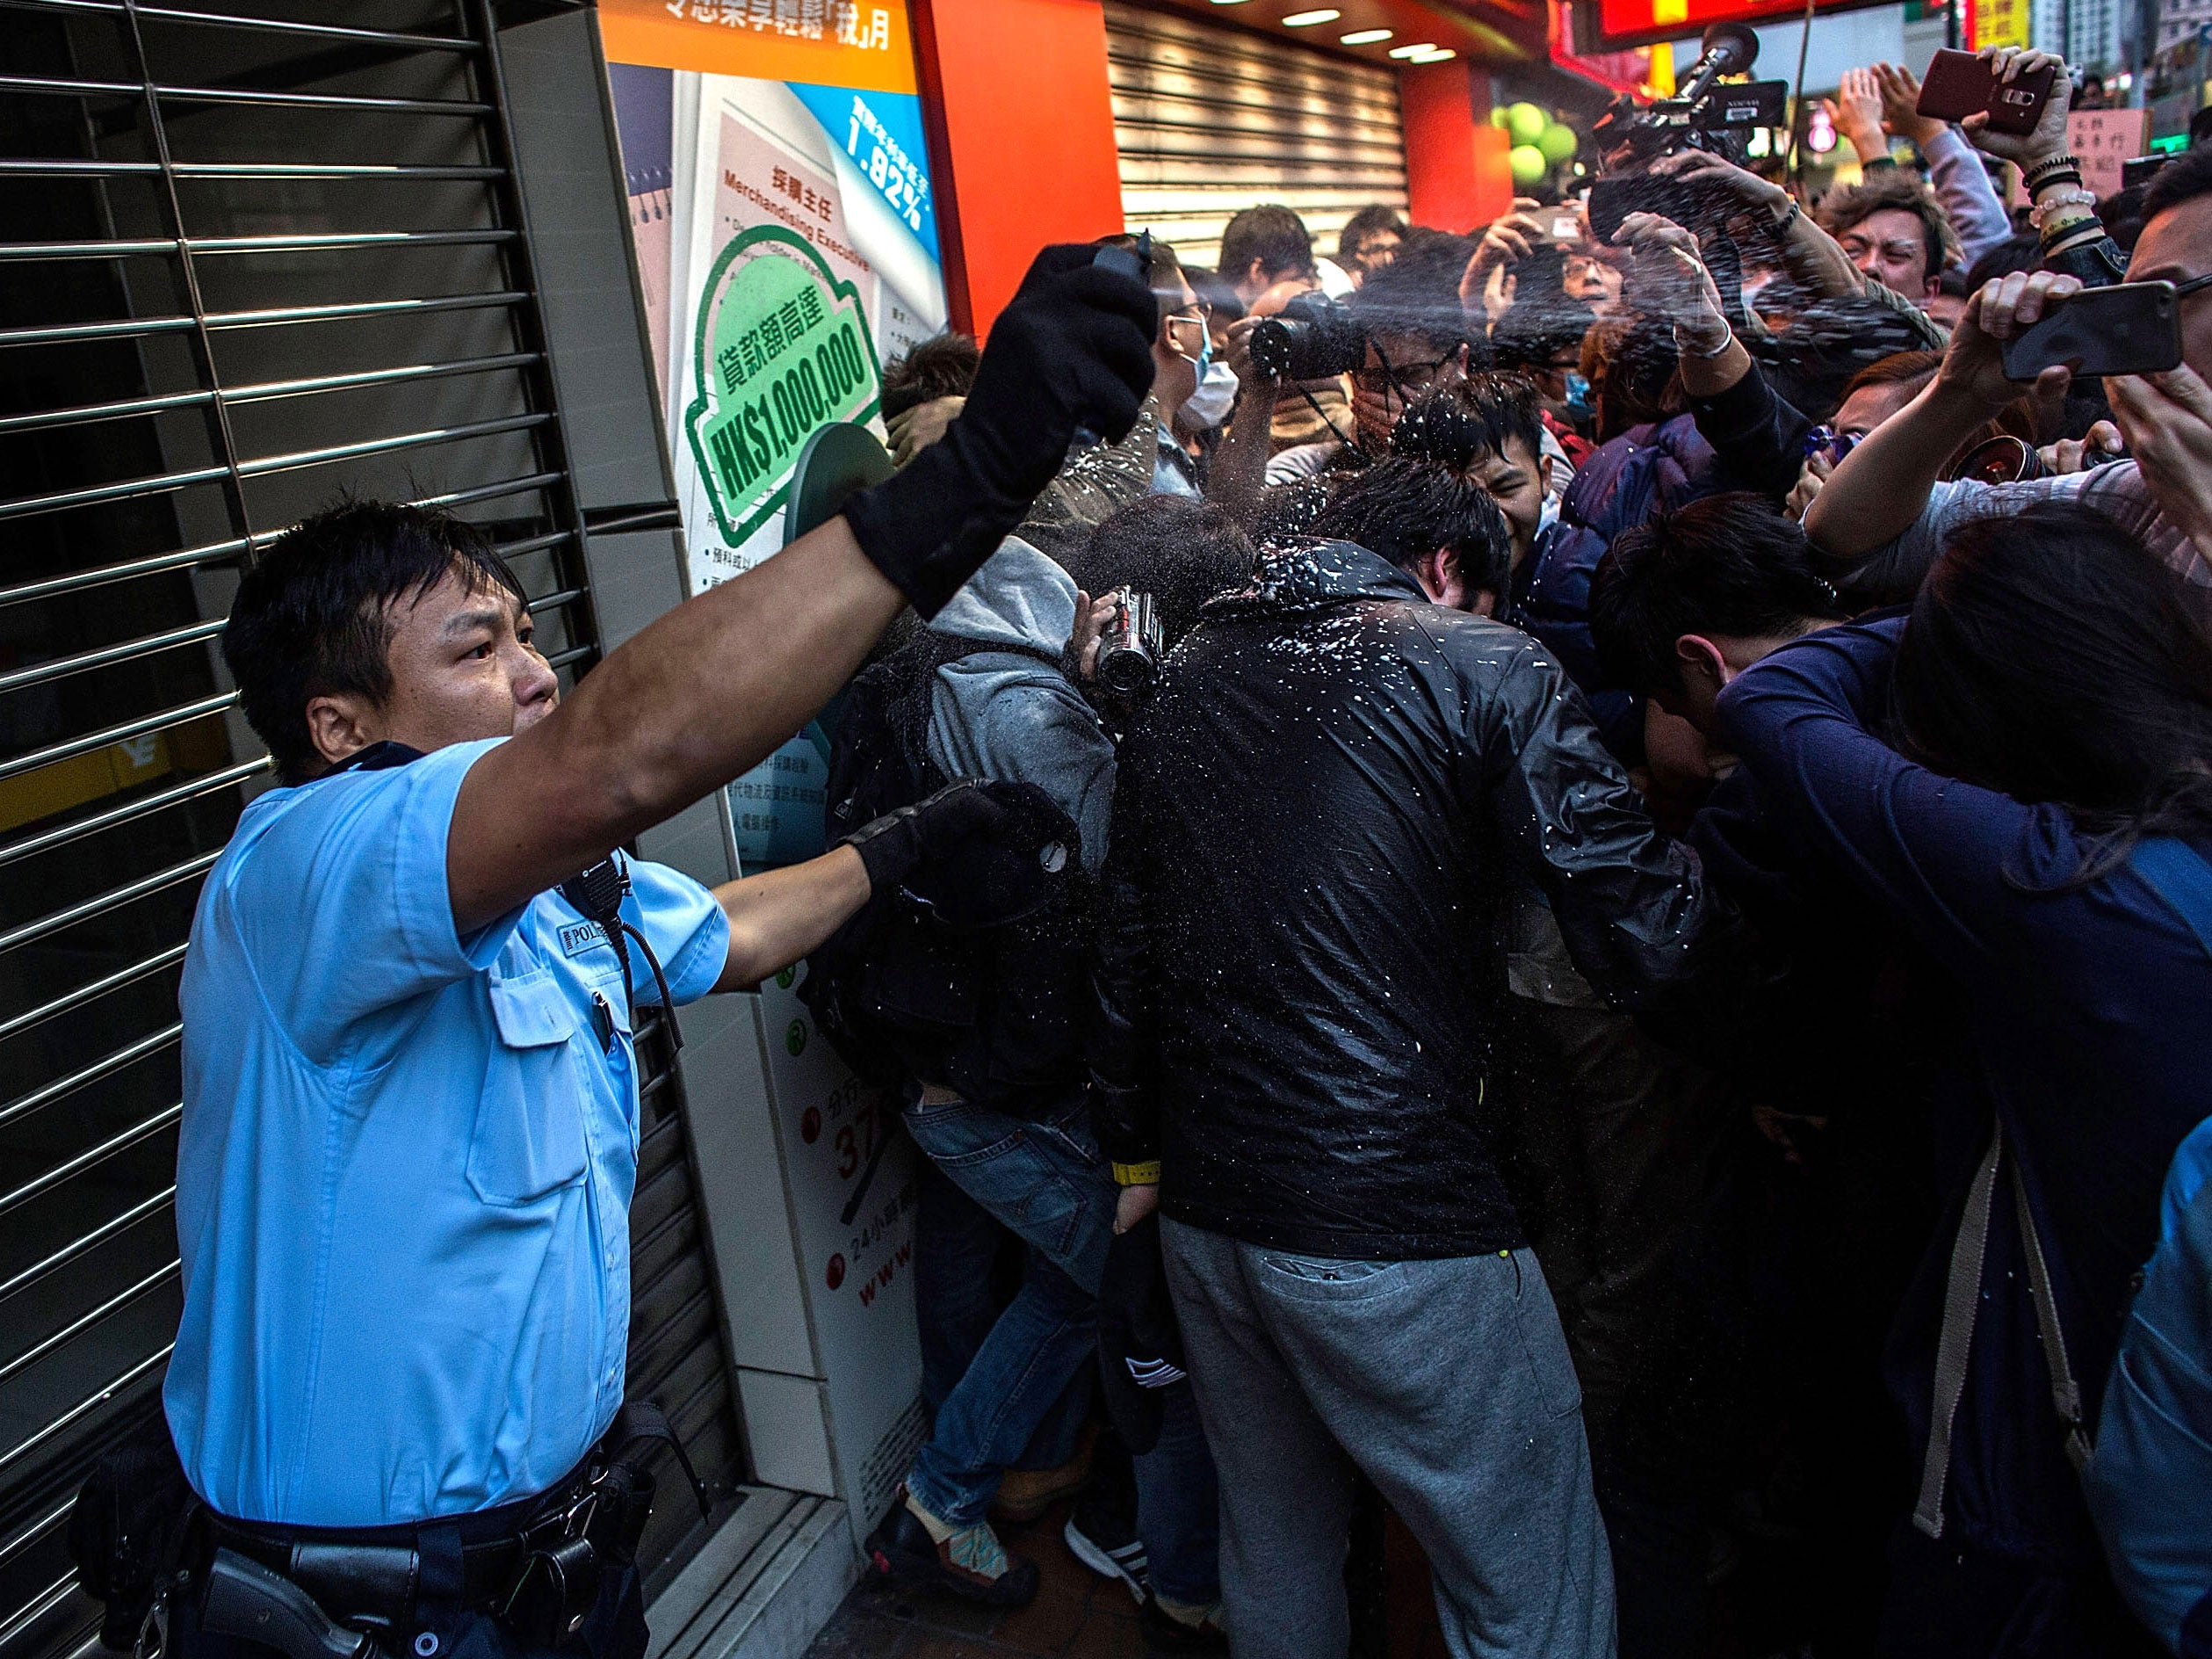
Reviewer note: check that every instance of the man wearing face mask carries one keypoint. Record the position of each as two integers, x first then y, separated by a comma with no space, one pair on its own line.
1181,352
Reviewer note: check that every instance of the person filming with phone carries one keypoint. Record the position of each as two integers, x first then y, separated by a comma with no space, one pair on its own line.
1883,514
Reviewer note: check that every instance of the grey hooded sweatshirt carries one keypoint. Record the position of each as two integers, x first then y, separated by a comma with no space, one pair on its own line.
1009,713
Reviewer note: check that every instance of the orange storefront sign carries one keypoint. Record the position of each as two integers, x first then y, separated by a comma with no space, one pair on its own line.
863,44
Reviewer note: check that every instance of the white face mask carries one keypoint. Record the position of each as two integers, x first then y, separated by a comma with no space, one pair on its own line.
1209,405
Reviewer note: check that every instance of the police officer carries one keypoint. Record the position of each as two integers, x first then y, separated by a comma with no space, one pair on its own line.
410,1114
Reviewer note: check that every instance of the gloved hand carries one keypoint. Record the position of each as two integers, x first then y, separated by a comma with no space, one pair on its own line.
981,854
1072,351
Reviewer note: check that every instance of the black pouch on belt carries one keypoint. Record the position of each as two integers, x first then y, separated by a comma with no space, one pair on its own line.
586,1533
127,1530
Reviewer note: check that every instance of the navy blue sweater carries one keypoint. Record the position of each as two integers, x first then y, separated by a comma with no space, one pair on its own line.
2089,1011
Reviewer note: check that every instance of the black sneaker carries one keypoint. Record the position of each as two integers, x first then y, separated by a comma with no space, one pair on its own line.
1166,1634
970,1563
1102,1534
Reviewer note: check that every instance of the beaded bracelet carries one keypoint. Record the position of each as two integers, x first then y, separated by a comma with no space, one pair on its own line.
2048,207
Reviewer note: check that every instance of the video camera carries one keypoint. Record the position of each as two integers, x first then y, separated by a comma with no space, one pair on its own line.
1702,115
1130,646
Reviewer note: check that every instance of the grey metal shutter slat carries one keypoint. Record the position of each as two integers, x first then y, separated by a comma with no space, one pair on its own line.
1210,121
248,261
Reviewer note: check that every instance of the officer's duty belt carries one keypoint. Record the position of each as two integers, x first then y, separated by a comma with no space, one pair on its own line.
373,1575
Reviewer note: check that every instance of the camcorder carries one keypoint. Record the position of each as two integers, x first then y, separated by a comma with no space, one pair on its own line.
1703,115
1310,339
1702,110
1130,646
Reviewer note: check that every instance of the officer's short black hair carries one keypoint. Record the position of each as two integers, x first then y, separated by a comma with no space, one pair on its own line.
312,616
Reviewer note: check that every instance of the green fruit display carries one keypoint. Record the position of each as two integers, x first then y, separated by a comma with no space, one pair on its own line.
1557,142
1498,117
1528,163
1525,122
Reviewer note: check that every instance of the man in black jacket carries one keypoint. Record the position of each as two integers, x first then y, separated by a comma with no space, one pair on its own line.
1312,824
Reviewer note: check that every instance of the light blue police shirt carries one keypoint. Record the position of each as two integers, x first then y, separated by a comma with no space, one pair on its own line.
403,1182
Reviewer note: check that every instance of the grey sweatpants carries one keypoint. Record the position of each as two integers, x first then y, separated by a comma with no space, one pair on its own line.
1448,1383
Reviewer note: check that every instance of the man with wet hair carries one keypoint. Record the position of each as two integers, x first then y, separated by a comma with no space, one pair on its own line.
1311,823
1893,230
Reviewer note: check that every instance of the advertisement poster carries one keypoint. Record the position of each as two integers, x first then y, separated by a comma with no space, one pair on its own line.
643,100
782,189
801,255
1997,23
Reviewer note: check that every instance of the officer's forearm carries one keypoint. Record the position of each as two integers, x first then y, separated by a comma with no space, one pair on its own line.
778,917
702,694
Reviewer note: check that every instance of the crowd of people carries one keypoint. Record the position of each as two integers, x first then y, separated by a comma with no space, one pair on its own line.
1630,968
1553,882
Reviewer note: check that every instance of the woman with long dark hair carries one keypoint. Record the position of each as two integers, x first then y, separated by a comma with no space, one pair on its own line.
2039,814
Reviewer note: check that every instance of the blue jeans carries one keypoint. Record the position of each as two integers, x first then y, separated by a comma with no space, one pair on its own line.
956,1244
1046,1180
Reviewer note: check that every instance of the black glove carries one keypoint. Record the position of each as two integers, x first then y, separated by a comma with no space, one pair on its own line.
978,853
1072,351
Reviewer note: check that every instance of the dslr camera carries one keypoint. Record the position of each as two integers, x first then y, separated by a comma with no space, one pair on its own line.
1129,648
1310,339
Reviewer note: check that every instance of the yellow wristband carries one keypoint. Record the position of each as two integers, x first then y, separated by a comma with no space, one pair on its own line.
1137,1174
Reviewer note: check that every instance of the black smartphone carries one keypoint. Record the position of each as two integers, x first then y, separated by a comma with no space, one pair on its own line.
1960,85
2141,170
2132,327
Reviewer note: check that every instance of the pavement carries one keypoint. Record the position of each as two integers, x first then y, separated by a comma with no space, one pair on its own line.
1076,1615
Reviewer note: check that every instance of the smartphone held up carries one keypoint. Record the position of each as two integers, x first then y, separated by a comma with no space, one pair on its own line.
1962,83
2131,328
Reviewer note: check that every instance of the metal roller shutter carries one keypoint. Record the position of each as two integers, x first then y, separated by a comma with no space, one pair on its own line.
248,263
1209,121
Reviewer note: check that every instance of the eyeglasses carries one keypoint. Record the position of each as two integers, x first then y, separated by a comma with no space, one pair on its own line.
1187,330
1405,378
2183,290
1825,440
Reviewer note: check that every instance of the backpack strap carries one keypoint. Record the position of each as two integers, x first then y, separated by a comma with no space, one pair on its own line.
1961,1295
2181,877
2065,1394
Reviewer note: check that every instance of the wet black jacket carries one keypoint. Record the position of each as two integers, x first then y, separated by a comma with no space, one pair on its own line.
1299,959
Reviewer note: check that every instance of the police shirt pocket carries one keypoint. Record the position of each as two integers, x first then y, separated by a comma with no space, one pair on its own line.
529,1138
